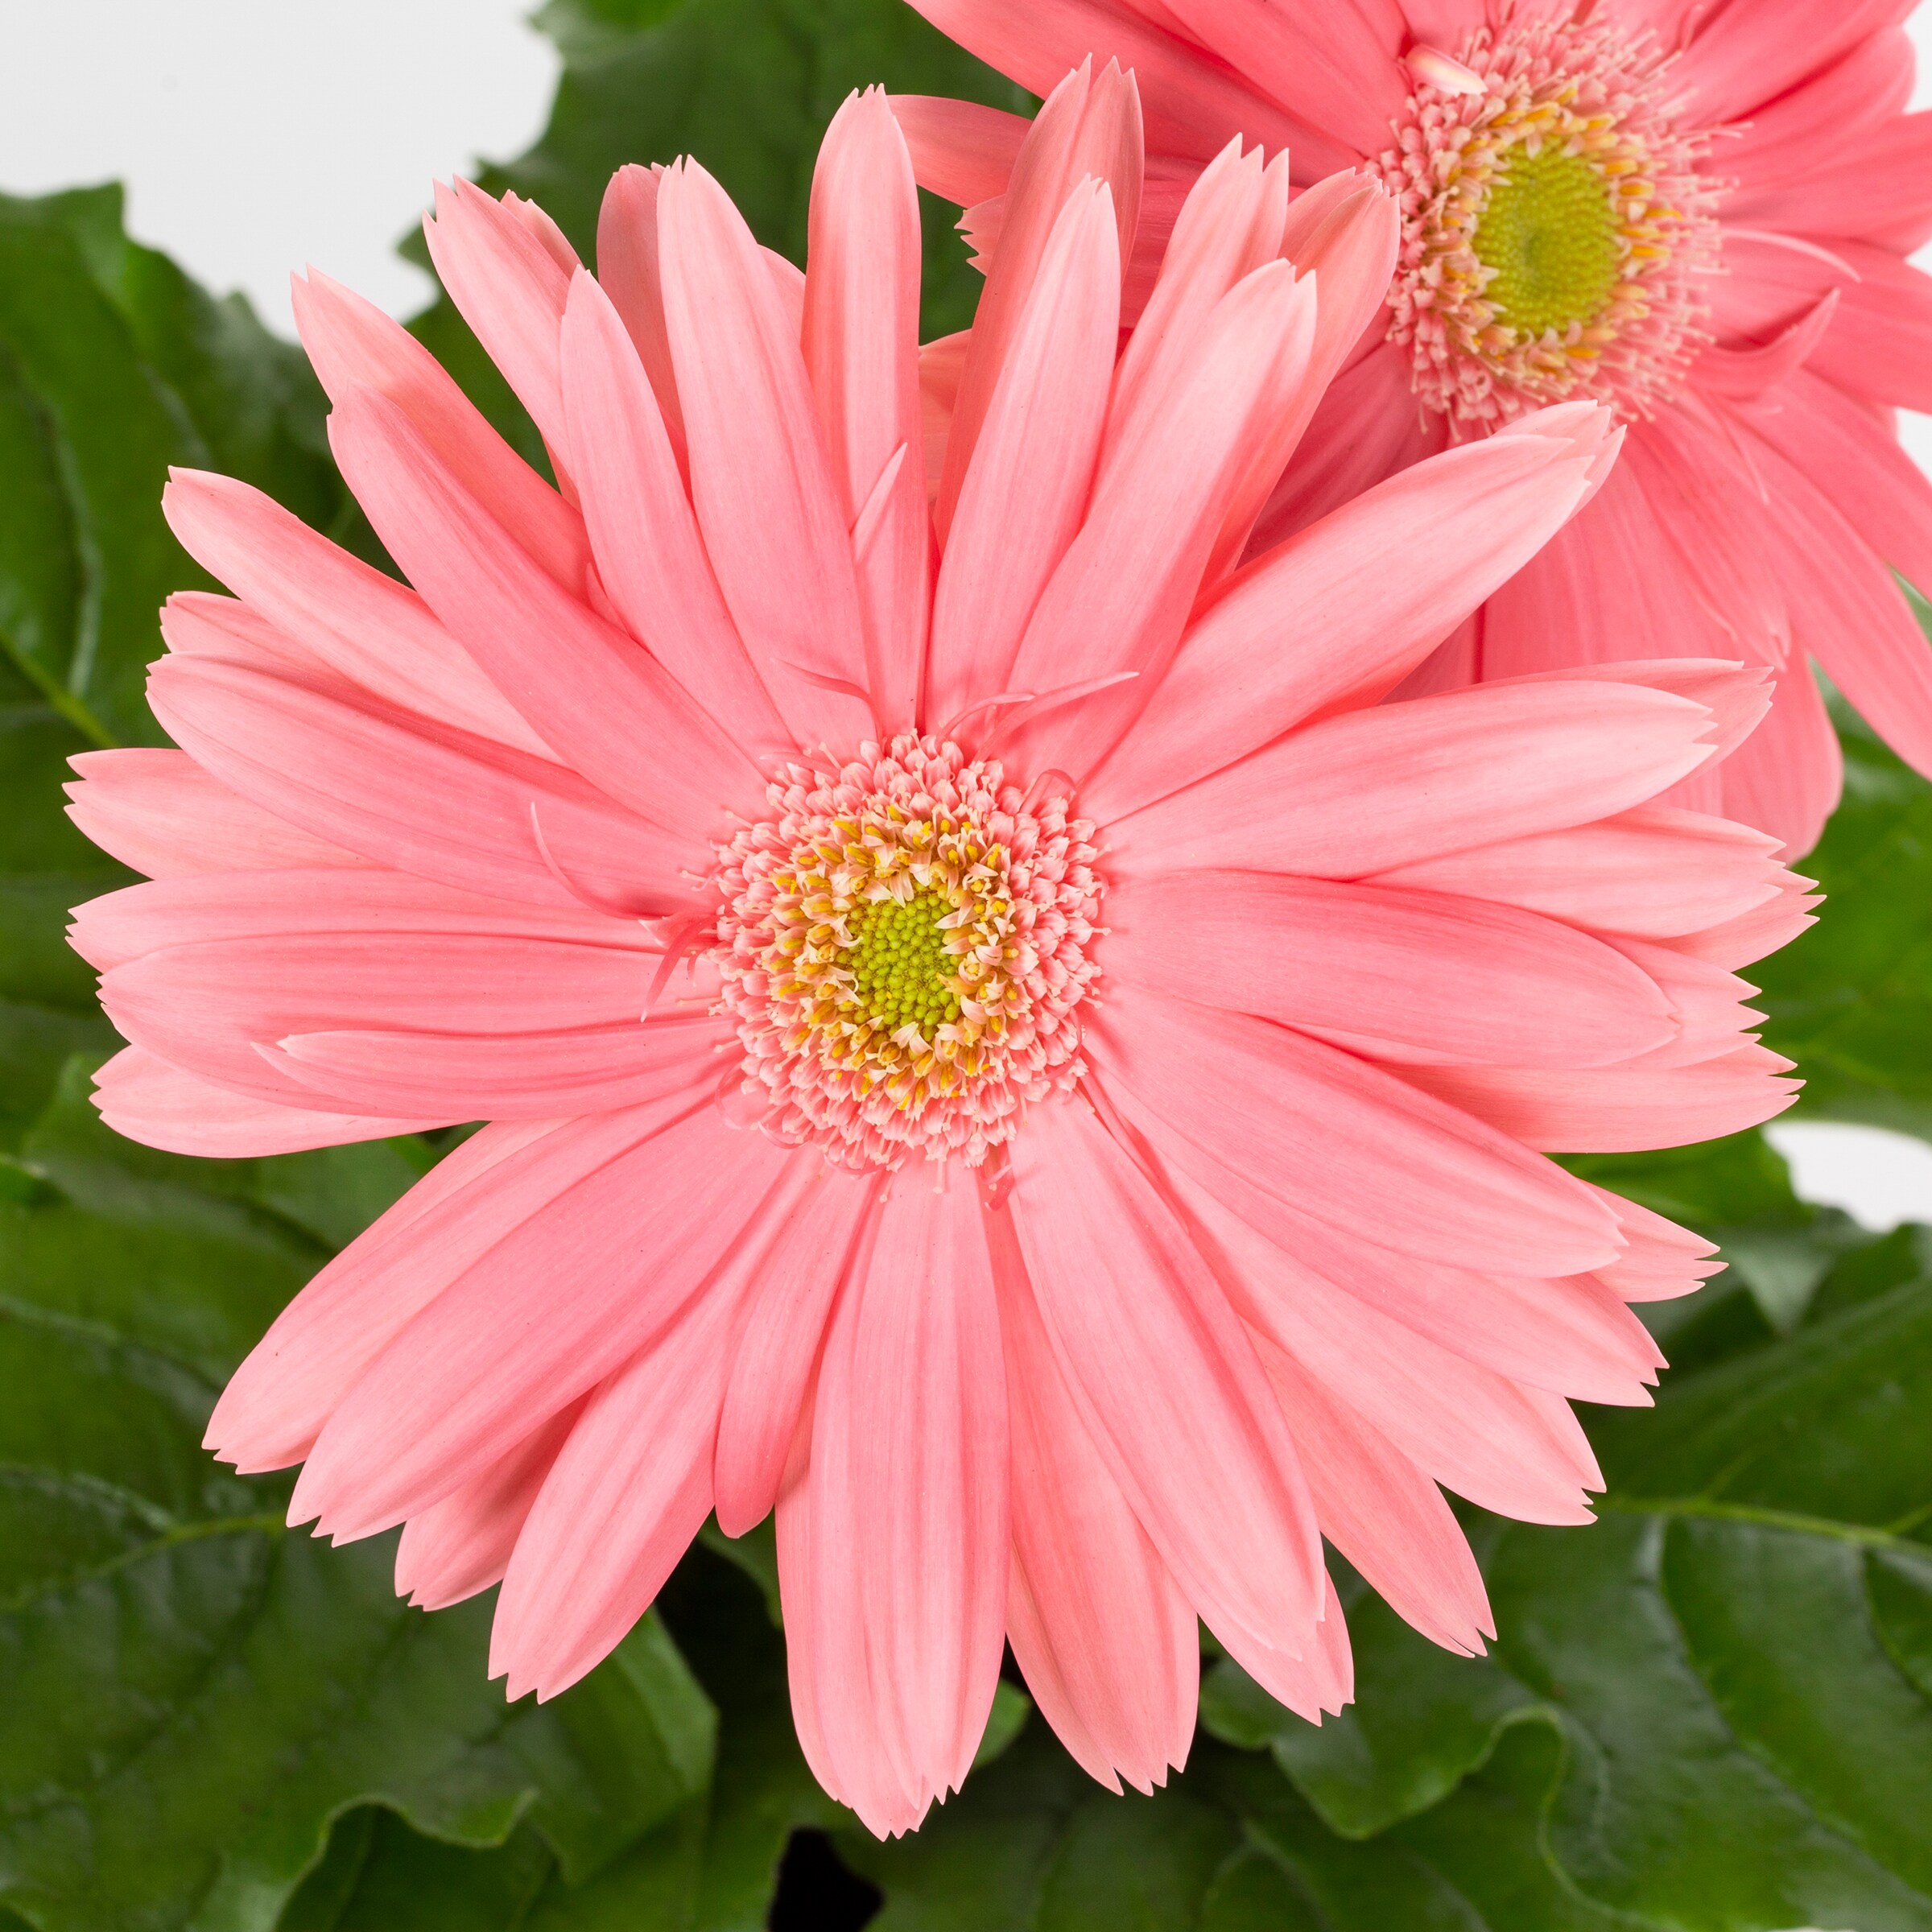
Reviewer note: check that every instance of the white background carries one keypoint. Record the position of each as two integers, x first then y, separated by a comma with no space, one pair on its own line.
257,135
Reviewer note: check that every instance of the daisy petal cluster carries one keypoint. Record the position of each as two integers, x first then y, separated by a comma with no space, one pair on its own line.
1701,216
1002,1036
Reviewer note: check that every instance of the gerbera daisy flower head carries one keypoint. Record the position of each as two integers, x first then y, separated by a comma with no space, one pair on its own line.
1697,215
1003,1048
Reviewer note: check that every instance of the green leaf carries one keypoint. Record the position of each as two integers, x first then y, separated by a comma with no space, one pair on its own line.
1728,1674
194,1692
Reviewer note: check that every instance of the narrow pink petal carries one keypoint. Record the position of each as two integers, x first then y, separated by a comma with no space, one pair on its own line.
1373,790
1089,128
1167,1383
612,710
1513,1450
354,345
404,792
1122,595
558,1304
1026,488
1195,103
1383,1513
1735,943
1365,427
1618,1110
650,559
909,1482
1321,620
1106,1643
766,499
276,1402
1385,1163
1659,1261
502,1075
207,1007
1740,57
960,151
1551,1335
203,908
861,348
775,1355
461,1545
1875,344
510,288
632,1484
1873,185
1334,65
1711,1016
1789,138
1404,974
1655,872
630,270
160,813
1321,1680
1737,695
1350,254
362,625
159,1105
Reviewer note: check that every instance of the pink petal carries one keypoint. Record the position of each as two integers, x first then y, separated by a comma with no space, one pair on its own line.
961,150
1874,185
1026,488
650,559
1198,103
1088,129
861,347
613,711
1383,1513
1618,1110
1374,790
559,1303
1875,344
1122,593
510,288
1736,943
632,1486
774,1358
1405,975
160,813
1246,670
1386,1163
1108,1643
1365,427
1798,131
1740,57
766,499
461,1545
1322,1681
362,625
910,1481
276,1402
630,271
1167,1383
1513,1450
354,345
404,792
160,1106
1654,873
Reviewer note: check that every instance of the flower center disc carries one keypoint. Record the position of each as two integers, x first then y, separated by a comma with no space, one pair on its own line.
902,943
1556,230
1549,234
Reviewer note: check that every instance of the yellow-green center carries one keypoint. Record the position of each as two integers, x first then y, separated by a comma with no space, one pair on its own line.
900,964
1550,230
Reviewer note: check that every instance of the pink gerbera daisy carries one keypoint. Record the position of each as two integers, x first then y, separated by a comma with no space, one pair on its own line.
1696,213
1036,1077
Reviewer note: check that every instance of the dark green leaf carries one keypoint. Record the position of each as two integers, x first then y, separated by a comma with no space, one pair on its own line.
194,1692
